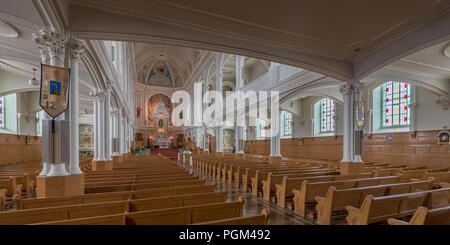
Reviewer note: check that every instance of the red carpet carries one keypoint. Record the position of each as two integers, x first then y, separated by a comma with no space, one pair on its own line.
172,154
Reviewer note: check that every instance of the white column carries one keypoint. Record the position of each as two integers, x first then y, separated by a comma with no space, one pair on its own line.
275,130
239,131
122,134
107,123
346,91
40,39
101,126
219,81
60,167
205,129
115,129
76,51
96,144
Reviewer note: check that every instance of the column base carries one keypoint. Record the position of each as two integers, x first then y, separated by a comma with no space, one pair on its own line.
274,160
60,186
348,168
102,165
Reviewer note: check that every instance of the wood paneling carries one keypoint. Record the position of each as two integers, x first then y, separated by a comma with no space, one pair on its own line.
404,148
14,149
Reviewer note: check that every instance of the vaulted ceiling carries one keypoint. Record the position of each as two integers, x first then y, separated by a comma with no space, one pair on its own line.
179,61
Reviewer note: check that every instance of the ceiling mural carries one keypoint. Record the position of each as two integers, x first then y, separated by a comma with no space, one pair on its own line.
160,70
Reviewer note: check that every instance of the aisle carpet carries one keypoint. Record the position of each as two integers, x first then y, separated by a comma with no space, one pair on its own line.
172,154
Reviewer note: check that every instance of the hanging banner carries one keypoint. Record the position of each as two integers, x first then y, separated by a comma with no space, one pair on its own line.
55,83
360,114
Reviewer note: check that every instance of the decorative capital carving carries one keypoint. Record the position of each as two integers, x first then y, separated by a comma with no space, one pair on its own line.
56,43
444,101
76,49
41,38
346,89
97,94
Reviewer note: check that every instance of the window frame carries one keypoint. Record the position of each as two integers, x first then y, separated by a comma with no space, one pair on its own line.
382,107
331,116
3,112
283,122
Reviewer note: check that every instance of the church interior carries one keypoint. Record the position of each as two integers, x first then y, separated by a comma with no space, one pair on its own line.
90,95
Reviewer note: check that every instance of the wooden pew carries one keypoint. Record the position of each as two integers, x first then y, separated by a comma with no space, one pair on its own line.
163,184
376,209
260,219
289,184
308,191
261,175
338,200
423,216
187,215
39,215
268,185
20,204
115,219
417,174
438,176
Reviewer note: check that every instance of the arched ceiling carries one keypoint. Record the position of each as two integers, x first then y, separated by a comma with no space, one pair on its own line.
179,61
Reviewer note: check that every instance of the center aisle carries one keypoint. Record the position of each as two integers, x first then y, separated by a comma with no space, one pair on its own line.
252,205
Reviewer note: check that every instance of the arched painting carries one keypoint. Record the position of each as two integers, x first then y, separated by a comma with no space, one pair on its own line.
159,106
160,69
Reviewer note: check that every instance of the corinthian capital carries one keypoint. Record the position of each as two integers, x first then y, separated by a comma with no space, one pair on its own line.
76,49
97,94
41,38
56,43
346,89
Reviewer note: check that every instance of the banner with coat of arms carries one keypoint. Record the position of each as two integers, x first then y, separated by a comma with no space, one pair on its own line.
54,95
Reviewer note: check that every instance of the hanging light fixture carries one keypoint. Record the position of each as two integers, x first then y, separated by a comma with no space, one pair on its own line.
33,82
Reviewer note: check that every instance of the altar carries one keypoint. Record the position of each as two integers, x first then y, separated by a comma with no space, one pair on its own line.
162,143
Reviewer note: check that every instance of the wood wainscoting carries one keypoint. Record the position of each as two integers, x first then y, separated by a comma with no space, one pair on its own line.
14,149
420,148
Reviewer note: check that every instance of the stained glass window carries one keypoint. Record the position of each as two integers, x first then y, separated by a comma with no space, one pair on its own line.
327,115
2,112
261,131
286,118
396,98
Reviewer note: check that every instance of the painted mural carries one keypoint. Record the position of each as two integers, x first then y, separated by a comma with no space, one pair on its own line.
159,107
160,69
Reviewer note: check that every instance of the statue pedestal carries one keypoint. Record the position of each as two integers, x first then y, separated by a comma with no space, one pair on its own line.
348,168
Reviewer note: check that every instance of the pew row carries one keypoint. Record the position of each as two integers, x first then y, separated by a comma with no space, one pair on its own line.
39,215
338,200
376,209
424,216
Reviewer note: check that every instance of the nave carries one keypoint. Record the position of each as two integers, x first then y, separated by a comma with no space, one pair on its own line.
173,112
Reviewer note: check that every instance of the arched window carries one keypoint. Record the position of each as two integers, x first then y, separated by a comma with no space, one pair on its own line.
286,124
395,104
327,115
260,131
2,112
